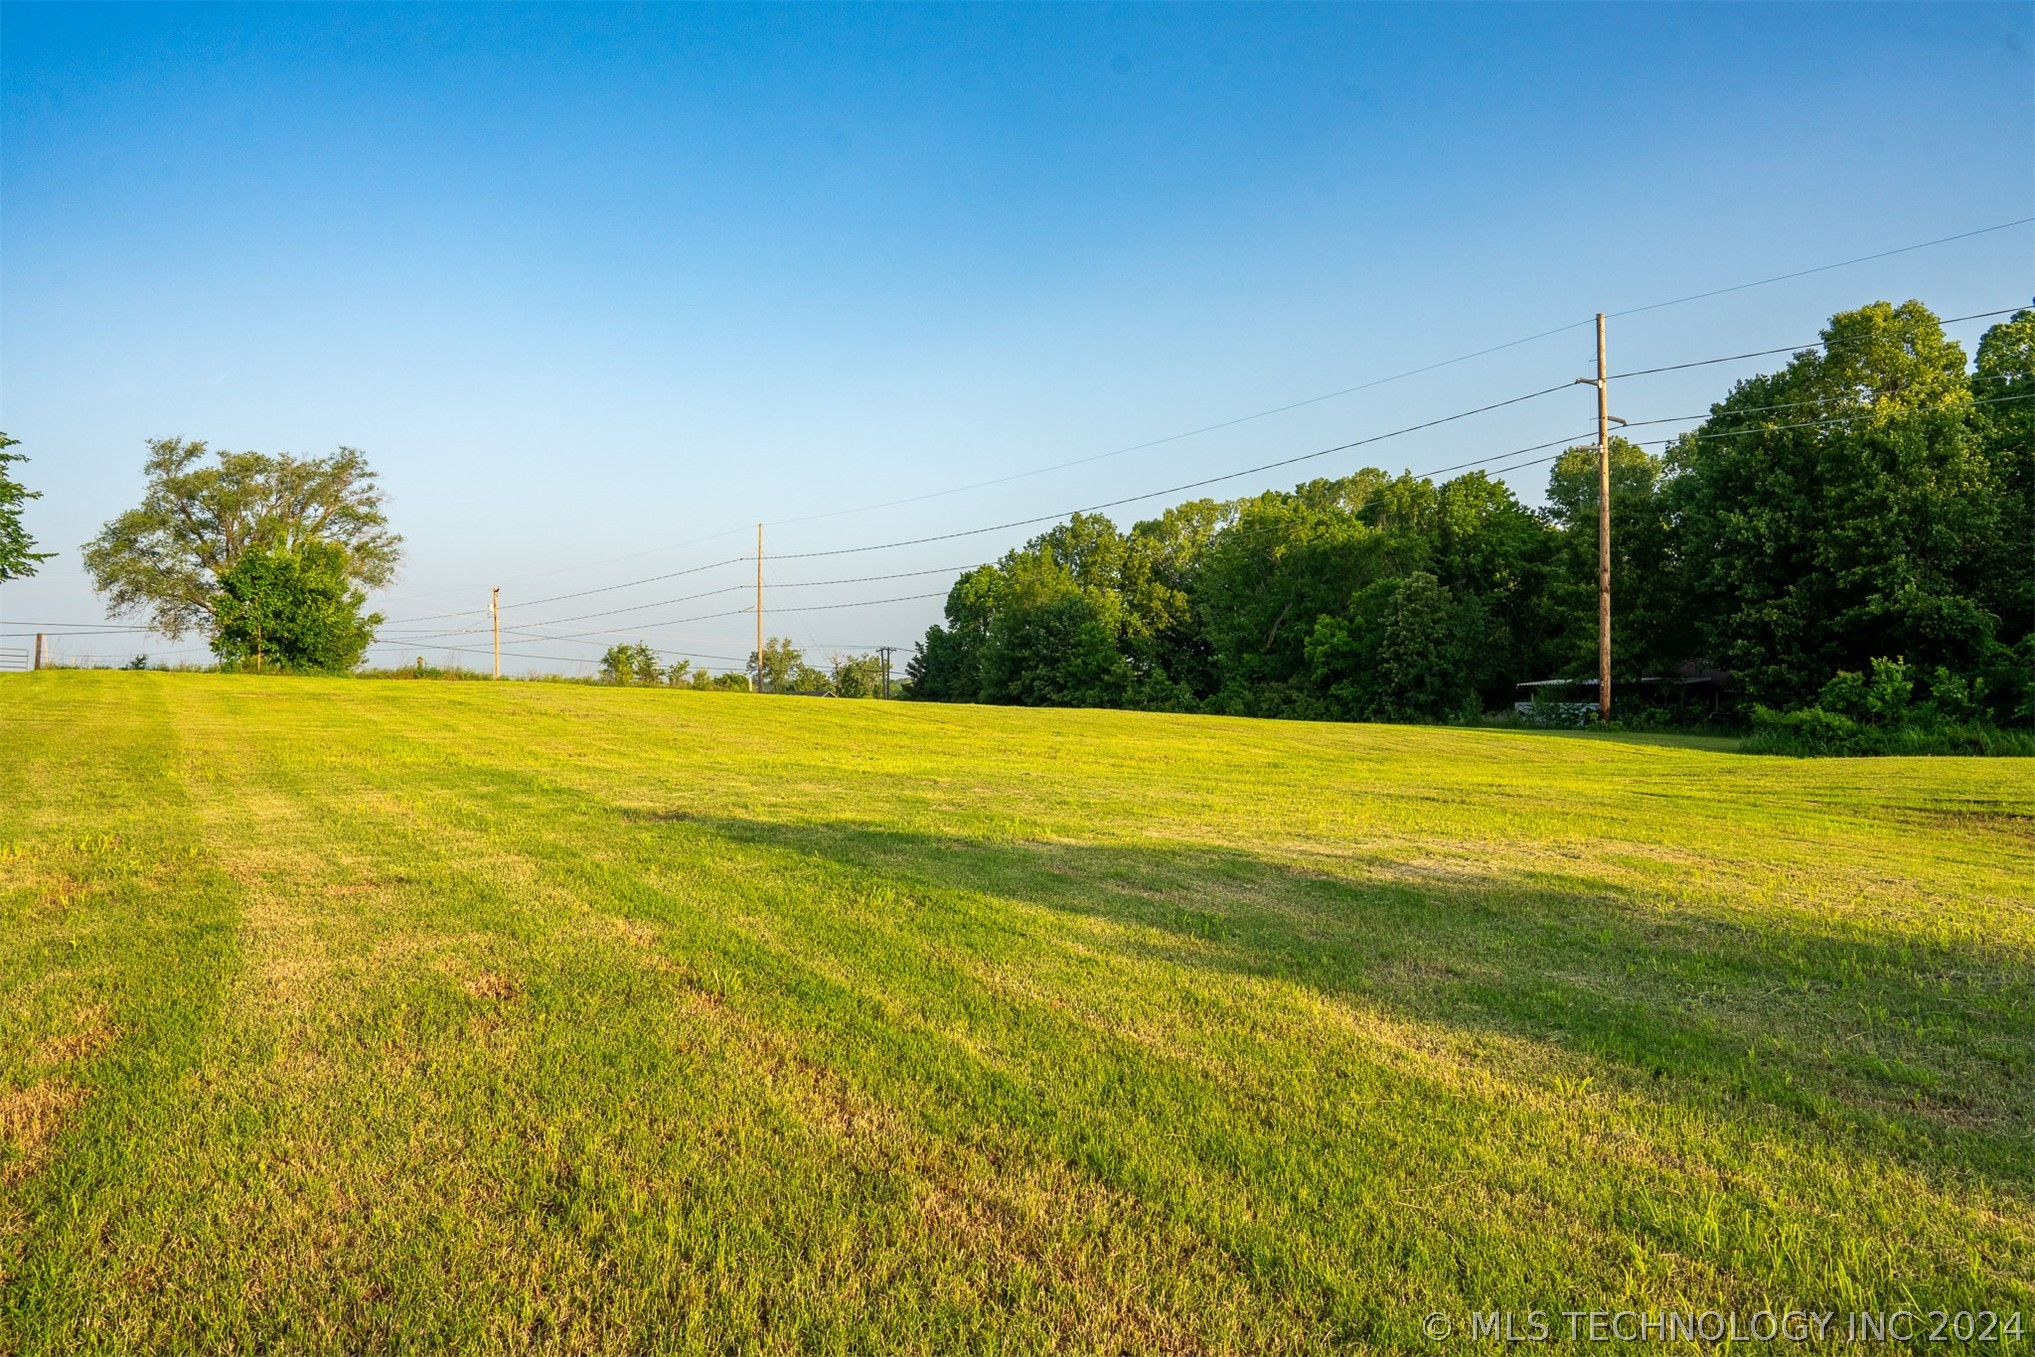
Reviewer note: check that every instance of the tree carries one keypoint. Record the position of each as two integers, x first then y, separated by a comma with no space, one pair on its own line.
858,675
2003,413
1285,560
1650,629
291,609
18,557
947,665
166,559
1841,509
636,663
784,670
1400,652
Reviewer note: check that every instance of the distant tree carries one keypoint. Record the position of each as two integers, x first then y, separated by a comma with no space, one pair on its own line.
784,670
1286,560
770,672
678,673
18,556
291,609
166,560
857,675
636,663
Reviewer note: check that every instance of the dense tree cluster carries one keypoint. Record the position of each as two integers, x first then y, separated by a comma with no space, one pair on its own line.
1875,499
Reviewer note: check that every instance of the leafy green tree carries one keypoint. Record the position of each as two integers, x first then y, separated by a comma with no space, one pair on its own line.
2003,415
784,670
1286,560
293,609
1650,629
166,560
18,556
947,665
1421,664
1054,648
636,663
857,675
1401,651
1841,509
1174,661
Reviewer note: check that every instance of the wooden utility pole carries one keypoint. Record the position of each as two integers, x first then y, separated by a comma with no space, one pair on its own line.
38,650
885,652
1603,529
495,616
759,607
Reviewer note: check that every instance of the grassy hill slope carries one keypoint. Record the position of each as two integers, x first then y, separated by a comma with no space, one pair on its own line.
352,1016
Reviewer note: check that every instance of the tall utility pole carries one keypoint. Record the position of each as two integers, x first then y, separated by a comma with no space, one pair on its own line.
885,651
495,616
1603,529
759,607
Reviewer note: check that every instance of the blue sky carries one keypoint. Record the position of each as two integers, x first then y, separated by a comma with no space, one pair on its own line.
591,284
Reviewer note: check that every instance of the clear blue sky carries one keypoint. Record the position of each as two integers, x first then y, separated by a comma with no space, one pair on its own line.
590,283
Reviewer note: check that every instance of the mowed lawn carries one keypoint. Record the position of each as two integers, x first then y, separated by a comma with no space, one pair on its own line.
360,1016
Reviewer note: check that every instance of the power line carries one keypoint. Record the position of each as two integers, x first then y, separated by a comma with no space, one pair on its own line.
738,612
1214,480
1174,489
1761,409
734,560
1792,348
1823,423
1824,268
1262,414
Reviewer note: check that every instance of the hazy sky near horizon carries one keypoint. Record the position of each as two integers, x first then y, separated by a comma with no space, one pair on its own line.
592,284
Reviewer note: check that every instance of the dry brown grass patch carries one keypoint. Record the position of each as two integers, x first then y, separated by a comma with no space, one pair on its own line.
492,986
30,1118
94,1034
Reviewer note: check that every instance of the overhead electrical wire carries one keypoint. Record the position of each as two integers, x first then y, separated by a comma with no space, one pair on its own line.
1822,268
1792,348
1363,386
782,556
1191,485
1768,428
741,612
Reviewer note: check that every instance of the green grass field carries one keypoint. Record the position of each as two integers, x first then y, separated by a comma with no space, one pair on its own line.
371,1017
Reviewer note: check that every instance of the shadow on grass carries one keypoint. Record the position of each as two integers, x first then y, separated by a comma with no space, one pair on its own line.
1925,1050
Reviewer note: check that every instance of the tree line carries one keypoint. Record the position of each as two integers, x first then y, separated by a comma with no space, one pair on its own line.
1872,501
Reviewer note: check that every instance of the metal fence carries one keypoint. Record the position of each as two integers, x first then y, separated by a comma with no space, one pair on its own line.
14,659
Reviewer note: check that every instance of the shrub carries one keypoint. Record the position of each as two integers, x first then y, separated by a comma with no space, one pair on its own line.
1813,732
293,610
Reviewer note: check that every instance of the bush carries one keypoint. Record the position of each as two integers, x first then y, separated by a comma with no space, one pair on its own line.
1814,732
291,609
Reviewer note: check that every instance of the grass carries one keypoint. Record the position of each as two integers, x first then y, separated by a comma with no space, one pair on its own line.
376,1017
